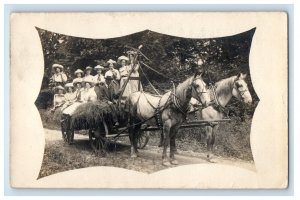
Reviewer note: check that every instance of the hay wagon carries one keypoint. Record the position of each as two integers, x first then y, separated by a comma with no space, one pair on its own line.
98,124
95,118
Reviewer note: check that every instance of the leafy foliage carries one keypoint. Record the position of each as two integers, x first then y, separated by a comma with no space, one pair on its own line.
175,57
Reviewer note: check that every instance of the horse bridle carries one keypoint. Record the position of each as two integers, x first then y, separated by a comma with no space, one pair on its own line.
241,92
176,100
201,92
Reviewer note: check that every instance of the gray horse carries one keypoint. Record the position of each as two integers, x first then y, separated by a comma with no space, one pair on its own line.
169,110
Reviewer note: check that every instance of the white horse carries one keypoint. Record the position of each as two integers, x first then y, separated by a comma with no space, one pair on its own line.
168,111
224,90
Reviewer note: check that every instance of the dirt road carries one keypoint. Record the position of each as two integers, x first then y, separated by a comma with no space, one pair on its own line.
60,157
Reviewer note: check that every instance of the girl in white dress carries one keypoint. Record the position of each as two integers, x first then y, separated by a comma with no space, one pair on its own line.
133,83
87,94
79,74
59,98
112,72
99,78
70,95
59,77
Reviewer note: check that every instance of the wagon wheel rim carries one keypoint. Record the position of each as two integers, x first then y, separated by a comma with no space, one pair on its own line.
143,139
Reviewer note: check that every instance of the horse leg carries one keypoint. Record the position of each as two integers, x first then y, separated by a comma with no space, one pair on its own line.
161,139
166,131
135,136
209,141
173,149
131,138
173,145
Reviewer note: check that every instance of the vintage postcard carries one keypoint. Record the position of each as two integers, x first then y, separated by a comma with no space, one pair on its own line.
149,100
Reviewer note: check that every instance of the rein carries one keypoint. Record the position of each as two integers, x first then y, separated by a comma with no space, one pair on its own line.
176,102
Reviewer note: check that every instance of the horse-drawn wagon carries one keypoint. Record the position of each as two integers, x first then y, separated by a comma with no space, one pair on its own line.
144,112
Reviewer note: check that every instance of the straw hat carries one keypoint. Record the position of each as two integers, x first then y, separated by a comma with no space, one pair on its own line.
69,85
78,71
57,66
88,79
98,67
110,61
88,68
123,58
77,80
59,88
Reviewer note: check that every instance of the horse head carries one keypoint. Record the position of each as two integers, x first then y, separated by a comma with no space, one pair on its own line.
240,89
200,91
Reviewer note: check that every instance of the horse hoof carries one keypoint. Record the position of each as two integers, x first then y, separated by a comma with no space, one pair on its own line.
174,162
166,163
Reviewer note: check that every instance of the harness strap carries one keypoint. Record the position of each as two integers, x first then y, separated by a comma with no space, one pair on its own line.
158,115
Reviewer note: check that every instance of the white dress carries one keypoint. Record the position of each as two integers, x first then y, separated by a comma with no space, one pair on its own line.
110,73
61,77
86,95
77,80
89,77
133,84
99,78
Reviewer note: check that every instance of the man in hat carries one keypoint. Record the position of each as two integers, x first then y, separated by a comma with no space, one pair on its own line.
200,66
114,73
59,77
108,92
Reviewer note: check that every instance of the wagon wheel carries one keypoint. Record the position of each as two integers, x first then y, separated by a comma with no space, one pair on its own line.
98,140
143,139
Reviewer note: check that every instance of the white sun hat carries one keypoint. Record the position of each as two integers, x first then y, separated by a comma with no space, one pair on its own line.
123,58
88,68
57,66
78,71
98,67
69,85
88,79
111,61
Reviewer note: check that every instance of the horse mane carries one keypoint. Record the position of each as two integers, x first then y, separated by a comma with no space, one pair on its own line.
182,89
225,86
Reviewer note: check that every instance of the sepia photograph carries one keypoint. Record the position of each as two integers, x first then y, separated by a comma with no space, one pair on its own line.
146,101
150,102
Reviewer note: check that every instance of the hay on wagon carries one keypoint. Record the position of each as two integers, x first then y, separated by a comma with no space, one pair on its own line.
90,115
